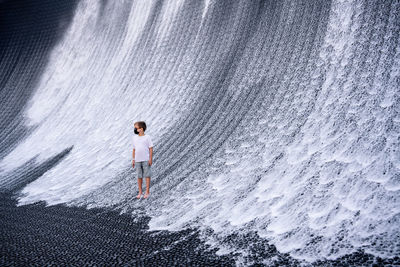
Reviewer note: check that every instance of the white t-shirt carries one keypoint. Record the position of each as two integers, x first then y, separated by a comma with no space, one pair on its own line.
141,144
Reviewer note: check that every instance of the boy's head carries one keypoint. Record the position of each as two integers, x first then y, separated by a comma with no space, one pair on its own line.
140,126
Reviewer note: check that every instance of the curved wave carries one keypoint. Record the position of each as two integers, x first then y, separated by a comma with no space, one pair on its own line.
279,117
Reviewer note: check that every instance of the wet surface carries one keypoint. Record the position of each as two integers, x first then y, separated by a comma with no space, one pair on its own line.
36,235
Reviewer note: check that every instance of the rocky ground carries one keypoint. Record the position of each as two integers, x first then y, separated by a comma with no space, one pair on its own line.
36,235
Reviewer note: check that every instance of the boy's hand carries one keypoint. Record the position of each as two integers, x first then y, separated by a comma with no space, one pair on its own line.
150,162
133,163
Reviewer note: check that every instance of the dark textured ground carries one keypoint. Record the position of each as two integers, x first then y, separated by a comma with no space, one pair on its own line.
36,235
60,235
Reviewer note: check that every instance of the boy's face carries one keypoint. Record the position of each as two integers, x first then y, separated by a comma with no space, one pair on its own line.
140,130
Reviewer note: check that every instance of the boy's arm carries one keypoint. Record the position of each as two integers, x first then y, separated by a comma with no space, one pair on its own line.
150,144
151,155
133,158
133,152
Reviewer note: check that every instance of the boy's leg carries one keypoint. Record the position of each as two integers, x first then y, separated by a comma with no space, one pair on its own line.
139,167
147,186
147,174
140,182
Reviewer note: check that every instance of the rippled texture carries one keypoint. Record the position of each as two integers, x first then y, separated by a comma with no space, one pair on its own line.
279,117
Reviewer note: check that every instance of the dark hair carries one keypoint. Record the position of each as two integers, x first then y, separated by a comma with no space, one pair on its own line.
141,124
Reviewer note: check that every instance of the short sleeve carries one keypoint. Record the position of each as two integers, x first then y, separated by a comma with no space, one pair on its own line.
133,142
150,142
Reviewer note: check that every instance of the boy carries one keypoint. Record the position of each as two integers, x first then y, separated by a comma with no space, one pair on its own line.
142,156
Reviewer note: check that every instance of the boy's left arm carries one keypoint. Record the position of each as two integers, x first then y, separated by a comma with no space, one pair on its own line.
151,155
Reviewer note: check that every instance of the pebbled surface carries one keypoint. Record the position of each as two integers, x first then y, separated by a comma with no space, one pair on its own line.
36,235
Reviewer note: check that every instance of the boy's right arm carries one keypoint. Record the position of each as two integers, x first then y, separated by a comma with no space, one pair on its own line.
133,158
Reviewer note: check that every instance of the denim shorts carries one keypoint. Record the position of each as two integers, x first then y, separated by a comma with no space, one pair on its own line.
143,169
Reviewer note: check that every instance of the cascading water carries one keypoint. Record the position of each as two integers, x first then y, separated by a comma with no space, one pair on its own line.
274,117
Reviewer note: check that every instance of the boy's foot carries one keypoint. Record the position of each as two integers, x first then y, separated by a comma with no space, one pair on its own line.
139,195
146,195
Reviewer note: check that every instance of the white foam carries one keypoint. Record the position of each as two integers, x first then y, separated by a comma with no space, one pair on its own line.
313,161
